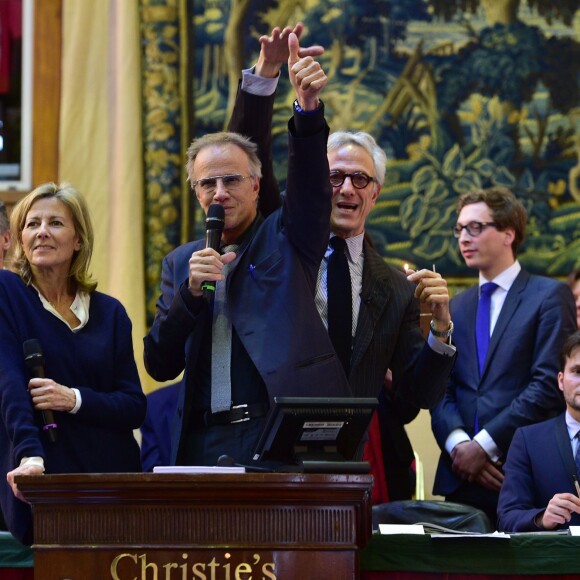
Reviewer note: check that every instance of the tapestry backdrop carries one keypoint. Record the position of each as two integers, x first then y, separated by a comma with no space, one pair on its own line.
460,94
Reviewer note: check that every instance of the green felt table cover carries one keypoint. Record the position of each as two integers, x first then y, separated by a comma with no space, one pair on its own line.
521,554
13,554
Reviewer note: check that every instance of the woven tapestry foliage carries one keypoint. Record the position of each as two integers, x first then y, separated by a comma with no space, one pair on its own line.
460,94
163,131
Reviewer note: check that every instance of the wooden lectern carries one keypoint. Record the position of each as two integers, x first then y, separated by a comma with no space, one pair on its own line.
198,527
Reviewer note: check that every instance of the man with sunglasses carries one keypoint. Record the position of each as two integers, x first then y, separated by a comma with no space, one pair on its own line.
259,336
509,329
383,317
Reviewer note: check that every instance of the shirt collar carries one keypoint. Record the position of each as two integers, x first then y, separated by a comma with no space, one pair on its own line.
572,424
354,245
80,307
506,278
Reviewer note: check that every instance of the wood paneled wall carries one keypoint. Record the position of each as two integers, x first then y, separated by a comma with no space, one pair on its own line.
46,95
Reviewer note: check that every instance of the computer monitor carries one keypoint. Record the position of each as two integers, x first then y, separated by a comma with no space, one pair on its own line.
316,434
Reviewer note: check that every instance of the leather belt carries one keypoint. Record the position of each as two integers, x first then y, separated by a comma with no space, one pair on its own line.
237,414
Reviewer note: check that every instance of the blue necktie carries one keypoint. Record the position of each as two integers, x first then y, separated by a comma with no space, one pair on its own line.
483,321
577,454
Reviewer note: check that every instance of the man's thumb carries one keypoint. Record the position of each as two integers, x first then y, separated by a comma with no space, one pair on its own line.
293,48
228,257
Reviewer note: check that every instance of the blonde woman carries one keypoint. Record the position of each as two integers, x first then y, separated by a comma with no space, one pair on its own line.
80,418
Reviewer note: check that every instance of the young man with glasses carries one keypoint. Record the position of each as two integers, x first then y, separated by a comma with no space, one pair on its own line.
383,316
510,328
259,335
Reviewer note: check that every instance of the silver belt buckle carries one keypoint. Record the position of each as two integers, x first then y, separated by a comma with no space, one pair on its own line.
246,418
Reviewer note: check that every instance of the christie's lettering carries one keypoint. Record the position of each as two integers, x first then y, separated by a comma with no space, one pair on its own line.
136,567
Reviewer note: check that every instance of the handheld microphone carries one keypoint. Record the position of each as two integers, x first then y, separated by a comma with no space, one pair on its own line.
34,360
214,226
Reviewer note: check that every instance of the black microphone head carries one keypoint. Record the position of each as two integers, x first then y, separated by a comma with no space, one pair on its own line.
32,352
216,217
225,461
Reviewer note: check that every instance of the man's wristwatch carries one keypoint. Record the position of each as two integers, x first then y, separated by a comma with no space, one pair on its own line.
299,109
441,334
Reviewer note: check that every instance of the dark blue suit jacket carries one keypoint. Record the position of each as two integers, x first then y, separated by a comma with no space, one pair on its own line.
539,465
158,426
388,334
270,294
518,386
98,360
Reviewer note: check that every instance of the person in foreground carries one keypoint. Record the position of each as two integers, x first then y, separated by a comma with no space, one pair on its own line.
511,328
540,489
91,386
276,343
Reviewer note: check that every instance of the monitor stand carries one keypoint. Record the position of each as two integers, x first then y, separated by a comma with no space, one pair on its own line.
325,463
335,467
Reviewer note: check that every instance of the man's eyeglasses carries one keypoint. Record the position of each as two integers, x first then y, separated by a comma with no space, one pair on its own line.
358,179
473,228
209,184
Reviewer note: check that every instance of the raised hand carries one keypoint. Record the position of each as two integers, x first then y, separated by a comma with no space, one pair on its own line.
432,290
306,76
274,50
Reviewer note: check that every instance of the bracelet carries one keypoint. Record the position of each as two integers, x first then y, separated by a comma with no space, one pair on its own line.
299,109
441,334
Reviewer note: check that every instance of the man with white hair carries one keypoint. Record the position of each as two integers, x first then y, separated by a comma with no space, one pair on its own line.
384,319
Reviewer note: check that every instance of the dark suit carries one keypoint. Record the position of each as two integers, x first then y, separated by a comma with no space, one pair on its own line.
518,386
387,333
397,451
270,294
539,465
158,426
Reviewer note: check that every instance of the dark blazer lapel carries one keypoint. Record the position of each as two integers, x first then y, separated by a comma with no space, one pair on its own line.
564,447
469,316
246,241
375,294
511,304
